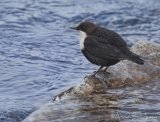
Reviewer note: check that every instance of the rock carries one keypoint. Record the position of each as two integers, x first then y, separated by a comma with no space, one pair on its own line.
109,96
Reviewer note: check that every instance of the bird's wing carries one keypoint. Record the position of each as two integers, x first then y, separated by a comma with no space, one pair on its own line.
97,48
112,38
118,41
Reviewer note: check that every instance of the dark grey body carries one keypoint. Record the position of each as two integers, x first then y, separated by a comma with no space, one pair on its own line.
99,61
105,47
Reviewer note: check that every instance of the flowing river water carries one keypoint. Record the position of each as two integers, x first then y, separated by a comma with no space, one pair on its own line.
40,55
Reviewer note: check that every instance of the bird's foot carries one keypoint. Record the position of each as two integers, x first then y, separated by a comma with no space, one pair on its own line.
107,73
93,74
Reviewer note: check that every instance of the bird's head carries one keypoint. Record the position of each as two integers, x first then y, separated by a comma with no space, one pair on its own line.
86,27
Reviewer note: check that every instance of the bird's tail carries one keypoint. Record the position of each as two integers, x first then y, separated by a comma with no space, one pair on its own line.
136,58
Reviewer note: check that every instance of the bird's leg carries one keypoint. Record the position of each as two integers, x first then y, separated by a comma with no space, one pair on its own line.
106,69
97,71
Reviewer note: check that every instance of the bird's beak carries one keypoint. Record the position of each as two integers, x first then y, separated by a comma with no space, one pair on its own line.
73,28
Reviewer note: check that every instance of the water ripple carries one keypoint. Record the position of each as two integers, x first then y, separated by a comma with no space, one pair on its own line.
39,54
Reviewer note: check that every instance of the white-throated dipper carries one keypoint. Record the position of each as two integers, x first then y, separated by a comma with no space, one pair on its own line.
103,47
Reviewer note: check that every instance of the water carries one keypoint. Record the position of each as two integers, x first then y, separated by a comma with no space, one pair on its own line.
39,54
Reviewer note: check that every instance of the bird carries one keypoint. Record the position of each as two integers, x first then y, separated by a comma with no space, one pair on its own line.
103,47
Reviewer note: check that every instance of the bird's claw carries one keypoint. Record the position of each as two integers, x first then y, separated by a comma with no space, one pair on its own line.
90,76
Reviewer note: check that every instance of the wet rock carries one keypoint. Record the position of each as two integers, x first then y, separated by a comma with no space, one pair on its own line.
125,73
125,93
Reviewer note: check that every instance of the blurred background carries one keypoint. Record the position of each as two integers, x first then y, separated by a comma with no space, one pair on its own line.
40,55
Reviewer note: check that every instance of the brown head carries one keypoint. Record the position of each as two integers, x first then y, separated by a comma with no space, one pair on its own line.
86,27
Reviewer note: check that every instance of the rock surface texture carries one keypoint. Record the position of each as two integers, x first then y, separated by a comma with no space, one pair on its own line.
128,93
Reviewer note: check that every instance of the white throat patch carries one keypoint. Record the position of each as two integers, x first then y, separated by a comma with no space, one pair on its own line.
82,36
